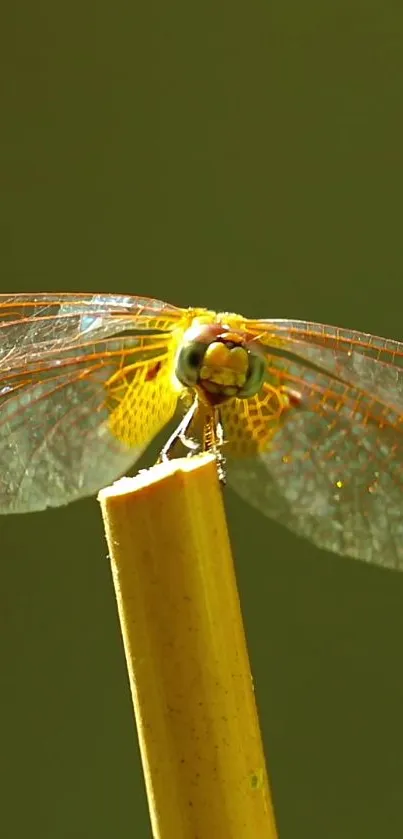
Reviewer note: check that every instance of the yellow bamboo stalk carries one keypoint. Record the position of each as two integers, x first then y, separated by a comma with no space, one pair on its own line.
186,654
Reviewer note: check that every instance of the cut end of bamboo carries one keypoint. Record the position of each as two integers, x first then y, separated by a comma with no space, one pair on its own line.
156,474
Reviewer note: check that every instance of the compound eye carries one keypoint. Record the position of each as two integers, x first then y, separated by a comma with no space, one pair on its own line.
189,362
255,377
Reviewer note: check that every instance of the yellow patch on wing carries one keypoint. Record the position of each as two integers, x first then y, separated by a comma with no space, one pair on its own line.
143,398
250,424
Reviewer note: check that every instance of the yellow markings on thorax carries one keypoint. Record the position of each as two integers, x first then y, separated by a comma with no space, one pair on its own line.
142,396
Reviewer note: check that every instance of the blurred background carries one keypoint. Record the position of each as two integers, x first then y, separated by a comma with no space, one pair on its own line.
244,157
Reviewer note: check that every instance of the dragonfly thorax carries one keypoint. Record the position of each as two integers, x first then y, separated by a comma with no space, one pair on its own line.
220,363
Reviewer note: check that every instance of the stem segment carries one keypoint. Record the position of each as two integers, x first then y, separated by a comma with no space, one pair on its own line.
186,654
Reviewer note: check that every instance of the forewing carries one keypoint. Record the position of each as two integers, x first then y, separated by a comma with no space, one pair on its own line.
31,325
364,361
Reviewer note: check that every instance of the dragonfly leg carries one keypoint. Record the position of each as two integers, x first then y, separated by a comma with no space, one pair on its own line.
180,434
213,440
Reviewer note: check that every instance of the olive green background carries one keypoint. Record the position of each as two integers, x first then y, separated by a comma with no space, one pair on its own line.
244,156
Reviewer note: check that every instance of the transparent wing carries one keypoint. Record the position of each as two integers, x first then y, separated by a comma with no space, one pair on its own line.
326,462
77,407
363,360
39,323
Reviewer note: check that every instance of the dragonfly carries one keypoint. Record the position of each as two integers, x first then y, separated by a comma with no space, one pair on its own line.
306,420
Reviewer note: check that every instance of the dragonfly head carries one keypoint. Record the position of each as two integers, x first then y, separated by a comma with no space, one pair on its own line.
220,363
